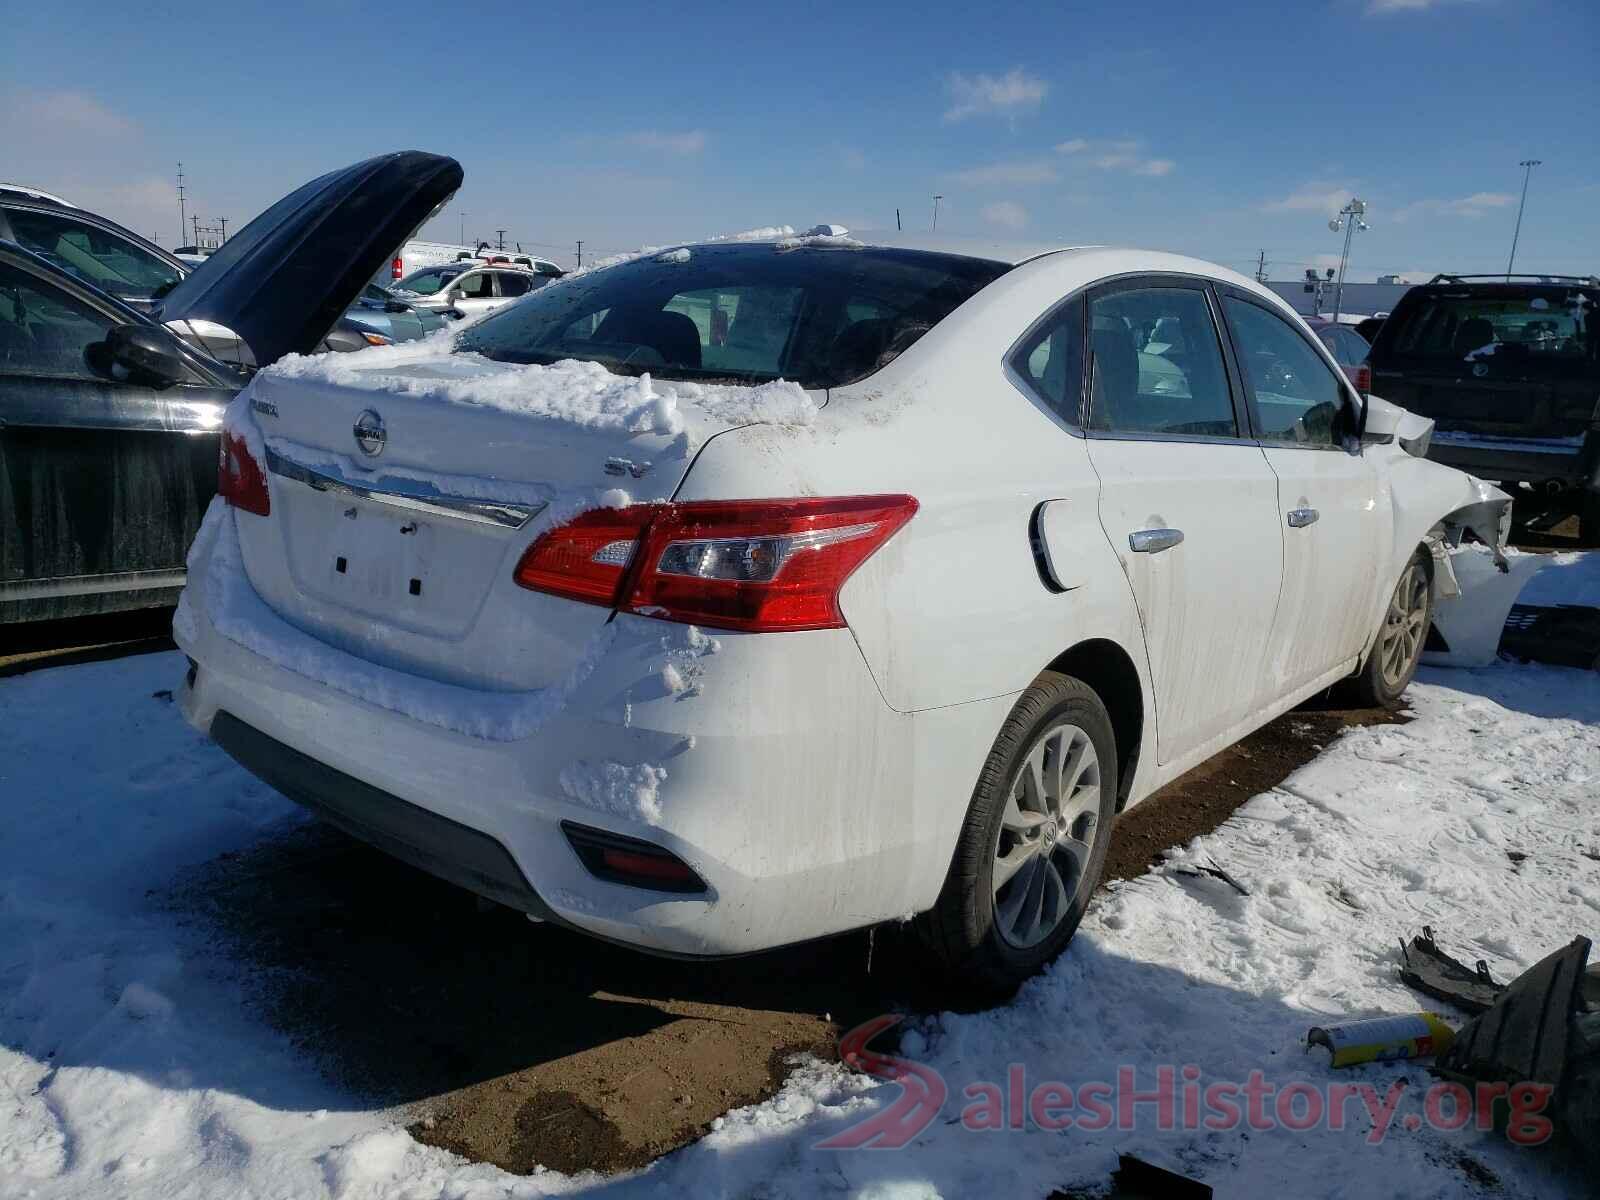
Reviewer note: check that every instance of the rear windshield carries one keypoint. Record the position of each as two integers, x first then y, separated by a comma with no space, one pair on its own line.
1507,330
820,316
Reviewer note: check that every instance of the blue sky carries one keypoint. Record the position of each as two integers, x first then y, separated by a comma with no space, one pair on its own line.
1217,128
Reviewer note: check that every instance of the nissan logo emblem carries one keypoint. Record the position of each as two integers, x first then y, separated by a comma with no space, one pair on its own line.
370,434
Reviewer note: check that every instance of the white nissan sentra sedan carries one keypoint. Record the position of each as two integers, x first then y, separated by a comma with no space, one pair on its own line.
755,591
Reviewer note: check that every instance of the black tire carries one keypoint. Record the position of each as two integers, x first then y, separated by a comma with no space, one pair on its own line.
1382,679
1589,519
963,929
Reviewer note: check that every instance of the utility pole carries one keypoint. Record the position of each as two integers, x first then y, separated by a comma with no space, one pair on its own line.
935,224
580,252
223,223
501,235
183,220
196,220
1350,218
1527,165
462,241
1261,267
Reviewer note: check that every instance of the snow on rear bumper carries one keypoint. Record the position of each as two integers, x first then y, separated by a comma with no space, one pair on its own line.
769,763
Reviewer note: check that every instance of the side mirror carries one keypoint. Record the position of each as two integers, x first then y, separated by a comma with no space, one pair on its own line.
453,297
145,353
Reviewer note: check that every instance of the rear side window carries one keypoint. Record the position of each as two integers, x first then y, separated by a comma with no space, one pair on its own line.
822,317
514,283
1506,330
1051,361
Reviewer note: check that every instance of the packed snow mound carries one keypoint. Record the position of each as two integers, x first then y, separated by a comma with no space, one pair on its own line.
572,391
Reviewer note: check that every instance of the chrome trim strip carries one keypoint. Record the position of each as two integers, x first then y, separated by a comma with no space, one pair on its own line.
394,494
91,585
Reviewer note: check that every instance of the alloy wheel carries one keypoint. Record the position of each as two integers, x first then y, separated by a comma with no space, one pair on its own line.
1046,837
1404,626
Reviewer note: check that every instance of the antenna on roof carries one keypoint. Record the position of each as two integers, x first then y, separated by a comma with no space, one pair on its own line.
897,219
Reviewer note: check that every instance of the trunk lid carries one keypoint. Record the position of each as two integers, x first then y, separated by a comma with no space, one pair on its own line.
406,483
281,282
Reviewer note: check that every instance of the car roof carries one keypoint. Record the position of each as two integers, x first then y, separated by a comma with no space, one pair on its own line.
1011,252
22,191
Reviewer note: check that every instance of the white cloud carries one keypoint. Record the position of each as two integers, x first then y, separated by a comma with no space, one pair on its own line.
70,113
1319,196
1007,173
1382,7
691,141
1476,205
1006,213
993,95
1123,155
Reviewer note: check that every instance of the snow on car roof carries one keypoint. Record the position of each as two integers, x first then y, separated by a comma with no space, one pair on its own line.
994,249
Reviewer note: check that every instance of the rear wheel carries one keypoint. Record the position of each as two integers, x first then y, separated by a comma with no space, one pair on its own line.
1589,519
1395,652
1031,849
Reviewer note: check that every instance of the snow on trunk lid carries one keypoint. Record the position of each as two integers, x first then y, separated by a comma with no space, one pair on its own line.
406,481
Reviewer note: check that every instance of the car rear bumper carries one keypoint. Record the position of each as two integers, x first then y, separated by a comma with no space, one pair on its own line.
1572,462
807,805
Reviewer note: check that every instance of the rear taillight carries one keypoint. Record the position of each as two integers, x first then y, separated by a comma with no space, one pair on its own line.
756,565
1362,378
397,267
240,479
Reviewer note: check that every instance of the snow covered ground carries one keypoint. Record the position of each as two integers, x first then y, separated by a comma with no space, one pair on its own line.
129,1065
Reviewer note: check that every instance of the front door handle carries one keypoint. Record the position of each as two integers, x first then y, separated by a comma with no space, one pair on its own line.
1299,518
1153,541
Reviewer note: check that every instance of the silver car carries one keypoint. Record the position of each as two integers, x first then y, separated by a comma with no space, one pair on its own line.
469,288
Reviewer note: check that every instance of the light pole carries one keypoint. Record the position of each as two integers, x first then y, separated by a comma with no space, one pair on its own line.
935,224
1350,218
1527,165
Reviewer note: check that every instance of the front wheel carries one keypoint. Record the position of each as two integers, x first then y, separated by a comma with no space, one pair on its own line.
1395,652
1032,846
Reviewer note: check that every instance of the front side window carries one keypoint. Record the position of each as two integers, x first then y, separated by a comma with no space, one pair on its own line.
1051,360
97,256
1298,397
752,312
44,331
476,285
1157,366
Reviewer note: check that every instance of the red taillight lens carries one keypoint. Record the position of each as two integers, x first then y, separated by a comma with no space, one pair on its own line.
396,268
240,479
1363,379
586,559
755,565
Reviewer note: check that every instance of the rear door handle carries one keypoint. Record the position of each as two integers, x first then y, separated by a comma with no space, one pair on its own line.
1153,541
1299,518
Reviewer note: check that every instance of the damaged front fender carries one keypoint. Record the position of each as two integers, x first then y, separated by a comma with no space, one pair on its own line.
1474,582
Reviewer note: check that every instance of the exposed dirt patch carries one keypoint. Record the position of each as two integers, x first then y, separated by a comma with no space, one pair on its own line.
33,645
524,1045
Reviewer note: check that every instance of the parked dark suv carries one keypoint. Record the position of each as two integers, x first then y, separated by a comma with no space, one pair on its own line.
1509,371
